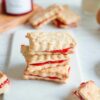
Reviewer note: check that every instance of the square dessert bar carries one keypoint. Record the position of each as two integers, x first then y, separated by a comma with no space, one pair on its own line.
51,42
60,74
66,18
45,16
88,91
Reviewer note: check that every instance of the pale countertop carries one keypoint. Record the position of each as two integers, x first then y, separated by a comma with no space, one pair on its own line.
87,36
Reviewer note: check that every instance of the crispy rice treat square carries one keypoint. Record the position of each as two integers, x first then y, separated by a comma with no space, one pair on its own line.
54,42
60,74
66,18
41,58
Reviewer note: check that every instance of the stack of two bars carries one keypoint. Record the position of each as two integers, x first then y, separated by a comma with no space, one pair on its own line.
47,56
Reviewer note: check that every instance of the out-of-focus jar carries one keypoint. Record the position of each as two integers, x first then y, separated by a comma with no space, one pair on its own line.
90,6
98,16
17,7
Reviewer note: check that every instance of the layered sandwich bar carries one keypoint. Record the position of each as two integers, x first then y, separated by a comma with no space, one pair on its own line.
45,16
47,43
88,91
47,56
41,61
57,74
66,18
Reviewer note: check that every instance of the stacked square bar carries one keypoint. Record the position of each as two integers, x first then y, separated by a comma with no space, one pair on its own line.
61,16
47,56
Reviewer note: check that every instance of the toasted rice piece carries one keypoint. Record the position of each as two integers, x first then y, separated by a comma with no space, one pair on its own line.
60,74
55,42
42,58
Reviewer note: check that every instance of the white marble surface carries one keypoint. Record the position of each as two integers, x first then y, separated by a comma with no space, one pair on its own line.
87,36
4,45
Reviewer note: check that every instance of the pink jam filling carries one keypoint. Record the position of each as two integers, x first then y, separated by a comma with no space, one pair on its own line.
63,51
5,82
51,62
59,23
69,70
83,84
78,95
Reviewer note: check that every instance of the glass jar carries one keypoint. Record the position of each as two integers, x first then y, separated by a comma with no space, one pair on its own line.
90,6
17,7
